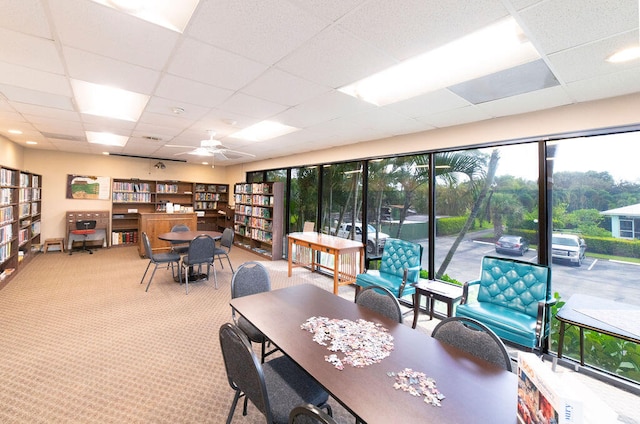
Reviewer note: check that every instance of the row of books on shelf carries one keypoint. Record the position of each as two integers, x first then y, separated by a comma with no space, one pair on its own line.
124,237
206,205
130,197
6,233
167,188
24,210
23,236
261,235
5,252
6,196
6,214
261,223
25,195
243,209
24,180
258,199
207,196
261,212
211,188
132,187
243,198
254,188
7,177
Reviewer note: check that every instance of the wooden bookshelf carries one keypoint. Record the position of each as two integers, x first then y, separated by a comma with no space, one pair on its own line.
258,222
20,219
210,202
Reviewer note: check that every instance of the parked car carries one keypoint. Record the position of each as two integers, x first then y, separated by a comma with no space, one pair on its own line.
514,245
568,248
373,246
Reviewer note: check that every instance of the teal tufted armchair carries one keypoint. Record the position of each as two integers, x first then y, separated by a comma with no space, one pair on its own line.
513,299
399,268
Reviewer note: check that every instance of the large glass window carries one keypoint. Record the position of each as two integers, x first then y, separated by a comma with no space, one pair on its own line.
486,203
303,203
397,201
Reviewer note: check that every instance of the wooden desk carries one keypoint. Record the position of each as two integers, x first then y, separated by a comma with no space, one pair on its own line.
345,256
160,222
102,226
583,311
435,290
476,391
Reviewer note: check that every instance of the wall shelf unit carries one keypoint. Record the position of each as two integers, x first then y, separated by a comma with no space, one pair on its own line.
258,222
20,209
133,198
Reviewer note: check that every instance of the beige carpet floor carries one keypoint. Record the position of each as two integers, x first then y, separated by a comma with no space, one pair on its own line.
81,342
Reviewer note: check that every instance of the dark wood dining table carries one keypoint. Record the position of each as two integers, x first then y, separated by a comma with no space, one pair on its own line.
187,236
476,391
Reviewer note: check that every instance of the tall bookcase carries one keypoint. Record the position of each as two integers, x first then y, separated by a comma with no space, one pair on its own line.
258,222
132,197
20,211
210,203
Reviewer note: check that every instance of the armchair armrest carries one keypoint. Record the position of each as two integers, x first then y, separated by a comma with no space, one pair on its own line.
465,290
410,275
541,319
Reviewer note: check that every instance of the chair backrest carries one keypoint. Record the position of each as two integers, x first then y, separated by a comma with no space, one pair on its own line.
201,249
244,371
227,238
399,255
473,337
86,224
309,414
147,246
309,226
515,284
180,228
250,278
381,300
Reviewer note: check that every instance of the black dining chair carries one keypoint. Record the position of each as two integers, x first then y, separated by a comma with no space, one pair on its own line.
251,278
275,387
157,259
309,414
200,253
473,337
381,300
226,242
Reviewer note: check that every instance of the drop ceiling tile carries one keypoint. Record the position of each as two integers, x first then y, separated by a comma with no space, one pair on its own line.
427,104
35,111
210,65
620,83
104,31
462,115
588,61
25,16
183,90
34,80
164,131
103,70
561,24
528,102
330,9
162,106
335,58
283,88
30,52
24,95
412,27
262,30
252,106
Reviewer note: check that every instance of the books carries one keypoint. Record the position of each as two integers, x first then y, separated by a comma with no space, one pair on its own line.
545,397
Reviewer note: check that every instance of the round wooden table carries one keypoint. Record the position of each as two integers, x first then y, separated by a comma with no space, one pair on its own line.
187,236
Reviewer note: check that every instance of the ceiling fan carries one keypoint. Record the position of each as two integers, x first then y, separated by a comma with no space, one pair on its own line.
212,147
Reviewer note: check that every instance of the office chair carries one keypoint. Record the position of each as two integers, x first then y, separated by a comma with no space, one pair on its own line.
84,228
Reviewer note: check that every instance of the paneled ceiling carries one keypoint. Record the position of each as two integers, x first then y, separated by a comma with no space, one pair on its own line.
239,62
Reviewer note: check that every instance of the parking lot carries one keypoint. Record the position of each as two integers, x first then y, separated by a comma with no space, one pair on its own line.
607,279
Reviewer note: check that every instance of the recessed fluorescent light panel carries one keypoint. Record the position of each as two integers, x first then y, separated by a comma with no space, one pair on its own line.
106,139
264,130
100,100
170,14
486,51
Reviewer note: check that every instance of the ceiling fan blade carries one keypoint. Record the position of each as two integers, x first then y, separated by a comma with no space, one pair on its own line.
236,152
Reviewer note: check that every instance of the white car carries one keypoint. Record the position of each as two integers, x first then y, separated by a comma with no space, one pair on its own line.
345,230
568,247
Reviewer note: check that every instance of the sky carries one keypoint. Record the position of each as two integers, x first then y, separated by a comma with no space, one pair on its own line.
619,154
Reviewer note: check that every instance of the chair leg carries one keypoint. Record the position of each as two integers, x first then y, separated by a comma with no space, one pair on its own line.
215,276
186,279
145,272
230,266
152,274
233,406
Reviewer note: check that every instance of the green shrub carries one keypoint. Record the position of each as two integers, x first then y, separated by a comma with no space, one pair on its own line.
450,226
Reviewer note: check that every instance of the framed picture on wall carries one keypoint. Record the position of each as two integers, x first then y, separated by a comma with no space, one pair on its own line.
88,187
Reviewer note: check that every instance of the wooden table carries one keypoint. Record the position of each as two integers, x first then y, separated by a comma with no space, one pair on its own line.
187,236
583,311
435,290
476,391
346,264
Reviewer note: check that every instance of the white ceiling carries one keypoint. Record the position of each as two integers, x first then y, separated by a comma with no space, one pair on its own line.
243,61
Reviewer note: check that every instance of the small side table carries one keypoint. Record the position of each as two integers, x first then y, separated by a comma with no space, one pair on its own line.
435,290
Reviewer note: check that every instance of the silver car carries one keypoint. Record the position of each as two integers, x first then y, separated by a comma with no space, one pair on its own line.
568,248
